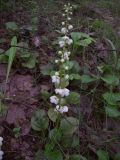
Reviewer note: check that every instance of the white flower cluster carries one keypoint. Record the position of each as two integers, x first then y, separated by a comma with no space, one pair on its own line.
62,75
1,152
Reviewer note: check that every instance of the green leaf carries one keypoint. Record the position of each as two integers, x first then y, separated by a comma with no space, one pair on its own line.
112,98
73,98
69,125
111,79
102,155
73,66
76,67
3,58
52,115
11,26
46,69
74,76
49,147
70,141
55,134
105,68
112,112
39,155
12,52
40,120
54,155
76,36
84,42
45,95
87,79
77,157
30,63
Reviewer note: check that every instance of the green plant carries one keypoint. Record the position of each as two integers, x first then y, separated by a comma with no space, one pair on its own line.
18,55
11,55
63,133
16,132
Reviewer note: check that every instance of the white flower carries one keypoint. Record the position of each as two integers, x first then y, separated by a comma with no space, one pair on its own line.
66,92
67,40
66,56
56,61
60,52
67,76
65,5
57,73
63,23
66,67
65,37
54,99
66,10
71,13
70,27
70,41
57,107
62,44
56,79
63,15
62,60
62,92
61,109
59,91
69,53
65,108
69,18
64,30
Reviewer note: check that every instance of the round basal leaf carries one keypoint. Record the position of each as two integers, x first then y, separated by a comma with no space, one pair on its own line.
54,155
75,141
30,63
11,26
77,157
76,36
55,134
69,125
39,155
87,79
112,112
46,69
111,79
112,98
73,98
70,141
76,67
74,76
67,141
102,155
40,121
49,147
84,42
52,115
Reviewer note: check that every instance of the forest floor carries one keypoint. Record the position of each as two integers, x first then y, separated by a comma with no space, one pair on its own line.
23,90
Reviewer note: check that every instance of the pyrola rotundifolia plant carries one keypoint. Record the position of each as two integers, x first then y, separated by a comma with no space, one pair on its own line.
1,152
61,76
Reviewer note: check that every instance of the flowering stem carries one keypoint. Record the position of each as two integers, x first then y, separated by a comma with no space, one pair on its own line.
61,77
